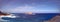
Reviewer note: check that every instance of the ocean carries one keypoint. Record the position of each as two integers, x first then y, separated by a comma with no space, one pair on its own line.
38,17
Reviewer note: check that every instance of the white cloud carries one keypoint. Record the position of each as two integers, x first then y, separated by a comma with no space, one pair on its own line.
22,9
28,8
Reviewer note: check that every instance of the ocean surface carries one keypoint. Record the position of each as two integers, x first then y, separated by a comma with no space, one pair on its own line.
37,17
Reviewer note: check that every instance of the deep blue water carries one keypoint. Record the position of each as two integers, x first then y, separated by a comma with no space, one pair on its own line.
38,17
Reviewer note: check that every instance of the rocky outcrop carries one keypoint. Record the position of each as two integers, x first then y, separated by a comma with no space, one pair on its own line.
55,19
1,13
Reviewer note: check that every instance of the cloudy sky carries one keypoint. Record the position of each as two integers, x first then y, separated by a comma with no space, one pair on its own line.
36,6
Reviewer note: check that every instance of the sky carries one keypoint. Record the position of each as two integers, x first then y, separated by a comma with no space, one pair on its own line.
35,6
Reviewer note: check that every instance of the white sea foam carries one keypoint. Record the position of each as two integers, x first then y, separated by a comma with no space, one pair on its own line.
10,16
